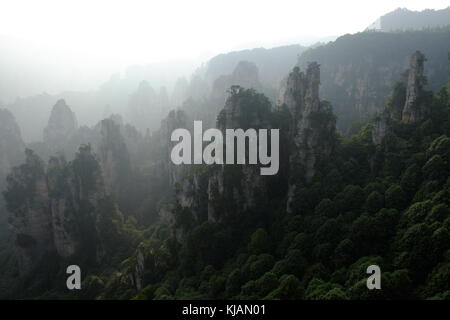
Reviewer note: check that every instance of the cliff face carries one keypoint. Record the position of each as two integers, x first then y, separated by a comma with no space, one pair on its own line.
175,180
311,126
146,107
61,126
404,19
408,100
413,110
358,71
162,145
380,128
240,185
273,64
244,109
27,199
53,209
245,74
11,144
114,156
213,192
157,148
62,207
307,135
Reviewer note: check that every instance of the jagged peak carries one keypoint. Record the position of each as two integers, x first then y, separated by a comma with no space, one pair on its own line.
9,126
301,95
244,108
414,88
60,103
406,104
62,124
61,109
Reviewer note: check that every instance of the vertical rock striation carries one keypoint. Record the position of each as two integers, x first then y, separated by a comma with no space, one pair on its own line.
311,125
11,144
413,110
53,208
27,199
407,103
114,156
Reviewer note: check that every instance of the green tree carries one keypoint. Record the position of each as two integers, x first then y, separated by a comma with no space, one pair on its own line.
395,197
259,242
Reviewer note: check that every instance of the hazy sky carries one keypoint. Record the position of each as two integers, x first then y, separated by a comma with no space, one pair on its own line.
133,31
77,44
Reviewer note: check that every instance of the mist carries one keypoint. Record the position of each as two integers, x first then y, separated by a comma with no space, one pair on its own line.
76,49
224,150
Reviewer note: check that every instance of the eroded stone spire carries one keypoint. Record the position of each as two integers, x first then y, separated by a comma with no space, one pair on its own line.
301,98
413,110
312,126
61,126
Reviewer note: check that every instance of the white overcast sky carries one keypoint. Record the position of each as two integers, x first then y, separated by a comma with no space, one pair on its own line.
56,45
133,31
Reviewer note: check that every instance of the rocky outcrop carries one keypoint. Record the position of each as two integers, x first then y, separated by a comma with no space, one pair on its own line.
358,71
311,126
408,101
272,64
61,126
213,93
137,275
144,112
243,185
53,209
217,191
413,110
161,141
164,172
61,206
380,128
308,134
75,190
114,157
244,109
404,19
11,144
245,75
27,200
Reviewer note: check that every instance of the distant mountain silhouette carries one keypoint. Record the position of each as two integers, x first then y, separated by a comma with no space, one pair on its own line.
404,19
